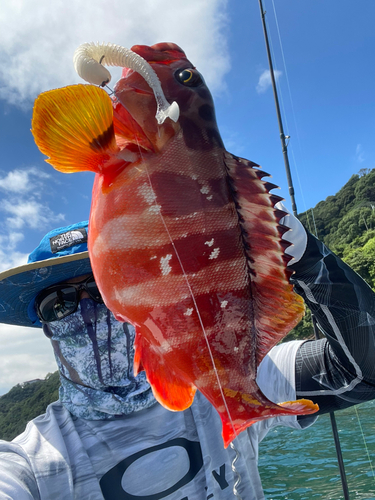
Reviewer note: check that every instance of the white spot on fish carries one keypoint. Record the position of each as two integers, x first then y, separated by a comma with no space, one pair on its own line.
147,193
153,257
209,198
224,304
205,190
214,253
164,264
155,209
194,177
189,311
209,243
236,349
221,409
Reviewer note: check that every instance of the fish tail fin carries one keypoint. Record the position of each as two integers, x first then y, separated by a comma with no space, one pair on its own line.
73,126
171,389
230,429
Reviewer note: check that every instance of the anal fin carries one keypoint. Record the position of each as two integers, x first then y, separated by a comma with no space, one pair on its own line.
169,385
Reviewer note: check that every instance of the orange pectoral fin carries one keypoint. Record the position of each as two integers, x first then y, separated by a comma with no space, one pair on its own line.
300,407
73,126
169,386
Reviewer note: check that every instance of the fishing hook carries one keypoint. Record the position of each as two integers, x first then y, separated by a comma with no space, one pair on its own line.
111,92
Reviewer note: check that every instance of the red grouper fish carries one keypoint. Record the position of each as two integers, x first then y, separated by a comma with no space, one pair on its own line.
184,239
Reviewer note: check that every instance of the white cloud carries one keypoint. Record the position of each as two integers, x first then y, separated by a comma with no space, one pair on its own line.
30,213
38,41
20,192
22,181
16,181
9,256
265,80
25,354
11,259
359,153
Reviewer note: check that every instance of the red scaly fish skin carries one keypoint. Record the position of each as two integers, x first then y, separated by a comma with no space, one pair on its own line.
185,244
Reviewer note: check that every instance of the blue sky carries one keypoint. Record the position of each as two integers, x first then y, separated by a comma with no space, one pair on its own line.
326,90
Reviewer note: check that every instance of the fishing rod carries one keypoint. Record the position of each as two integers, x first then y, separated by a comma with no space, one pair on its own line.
281,128
336,438
294,208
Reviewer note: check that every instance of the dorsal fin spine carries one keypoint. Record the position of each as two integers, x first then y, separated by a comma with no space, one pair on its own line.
265,251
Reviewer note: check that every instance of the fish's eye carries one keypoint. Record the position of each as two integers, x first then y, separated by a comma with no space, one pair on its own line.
189,77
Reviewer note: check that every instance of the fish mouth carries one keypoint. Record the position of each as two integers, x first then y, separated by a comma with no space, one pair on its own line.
129,132
135,108
131,81
135,105
129,135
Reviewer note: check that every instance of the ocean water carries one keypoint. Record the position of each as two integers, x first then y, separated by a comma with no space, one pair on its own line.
302,465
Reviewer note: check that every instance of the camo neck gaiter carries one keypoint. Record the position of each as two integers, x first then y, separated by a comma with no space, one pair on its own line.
95,353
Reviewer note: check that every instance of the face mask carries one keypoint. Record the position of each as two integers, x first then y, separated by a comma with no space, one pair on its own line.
95,353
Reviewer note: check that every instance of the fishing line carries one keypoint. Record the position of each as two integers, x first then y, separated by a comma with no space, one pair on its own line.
346,494
235,471
280,93
364,441
295,125
312,210
158,208
238,480
296,169
194,302
189,288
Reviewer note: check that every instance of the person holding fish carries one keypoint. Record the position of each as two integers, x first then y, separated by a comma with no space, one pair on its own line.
174,296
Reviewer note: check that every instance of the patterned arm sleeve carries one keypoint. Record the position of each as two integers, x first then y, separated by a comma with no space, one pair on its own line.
339,370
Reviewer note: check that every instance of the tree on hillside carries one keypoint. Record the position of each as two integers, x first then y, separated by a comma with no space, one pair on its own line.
345,222
25,402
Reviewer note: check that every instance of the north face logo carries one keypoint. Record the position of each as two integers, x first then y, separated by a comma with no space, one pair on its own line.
68,239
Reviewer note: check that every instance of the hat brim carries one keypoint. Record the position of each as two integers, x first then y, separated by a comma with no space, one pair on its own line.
20,286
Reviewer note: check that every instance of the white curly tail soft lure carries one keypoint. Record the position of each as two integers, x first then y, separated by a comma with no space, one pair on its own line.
88,62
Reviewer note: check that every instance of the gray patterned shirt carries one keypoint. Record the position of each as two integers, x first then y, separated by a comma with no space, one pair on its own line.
148,455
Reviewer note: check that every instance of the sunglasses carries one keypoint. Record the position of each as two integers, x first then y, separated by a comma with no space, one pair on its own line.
59,301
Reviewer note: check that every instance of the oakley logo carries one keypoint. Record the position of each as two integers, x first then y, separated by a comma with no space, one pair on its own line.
68,239
157,472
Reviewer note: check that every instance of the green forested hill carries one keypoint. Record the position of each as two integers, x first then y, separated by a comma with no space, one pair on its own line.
25,402
345,222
